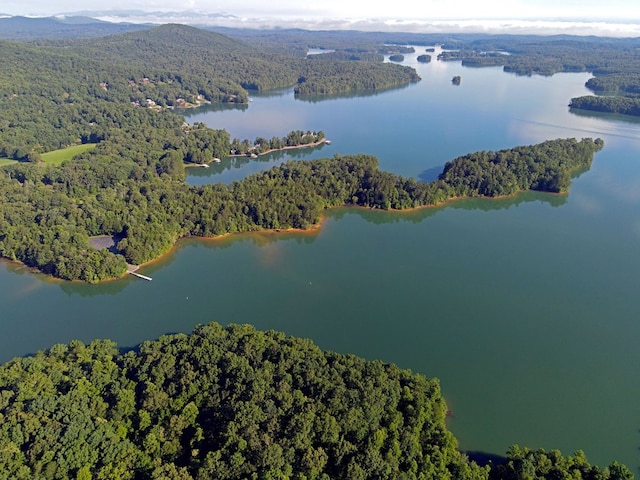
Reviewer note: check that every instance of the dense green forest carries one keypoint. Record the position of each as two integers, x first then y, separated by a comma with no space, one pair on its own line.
132,188
616,104
236,403
56,93
618,93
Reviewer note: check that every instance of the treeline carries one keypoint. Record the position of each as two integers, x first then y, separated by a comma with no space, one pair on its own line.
620,84
201,54
620,94
343,77
236,403
539,55
134,190
350,56
545,167
295,138
617,104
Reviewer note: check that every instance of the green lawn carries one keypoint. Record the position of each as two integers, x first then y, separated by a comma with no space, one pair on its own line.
56,157
6,161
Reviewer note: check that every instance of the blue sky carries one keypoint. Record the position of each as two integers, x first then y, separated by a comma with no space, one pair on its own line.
609,15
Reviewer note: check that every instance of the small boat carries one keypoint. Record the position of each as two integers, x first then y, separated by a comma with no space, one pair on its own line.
216,160
328,142
204,165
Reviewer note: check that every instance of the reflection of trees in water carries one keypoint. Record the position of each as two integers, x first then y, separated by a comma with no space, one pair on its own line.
379,217
618,117
212,107
112,287
232,163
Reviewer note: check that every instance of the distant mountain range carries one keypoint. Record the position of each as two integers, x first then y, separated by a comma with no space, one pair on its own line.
28,28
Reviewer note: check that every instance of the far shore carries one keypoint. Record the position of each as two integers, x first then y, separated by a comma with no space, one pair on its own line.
271,150
292,147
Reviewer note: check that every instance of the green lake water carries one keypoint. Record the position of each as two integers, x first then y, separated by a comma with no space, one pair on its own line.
526,309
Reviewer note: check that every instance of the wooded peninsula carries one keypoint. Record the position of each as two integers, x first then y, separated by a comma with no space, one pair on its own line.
136,192
236,403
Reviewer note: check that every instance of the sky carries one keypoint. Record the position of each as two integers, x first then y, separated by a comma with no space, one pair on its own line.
615,17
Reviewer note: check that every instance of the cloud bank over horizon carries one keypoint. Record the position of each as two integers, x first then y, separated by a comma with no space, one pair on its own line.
477,25
616,18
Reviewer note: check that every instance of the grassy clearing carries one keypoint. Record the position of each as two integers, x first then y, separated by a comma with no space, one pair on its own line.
6,161
56,157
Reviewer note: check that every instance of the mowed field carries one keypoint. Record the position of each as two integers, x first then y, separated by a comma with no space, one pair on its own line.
56,157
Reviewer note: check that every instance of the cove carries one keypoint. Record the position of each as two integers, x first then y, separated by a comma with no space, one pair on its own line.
524,308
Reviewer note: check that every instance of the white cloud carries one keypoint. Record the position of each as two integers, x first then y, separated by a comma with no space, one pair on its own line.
614,17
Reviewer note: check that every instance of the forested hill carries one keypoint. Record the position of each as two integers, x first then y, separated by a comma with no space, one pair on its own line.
195,52
235,403
56,93
21,29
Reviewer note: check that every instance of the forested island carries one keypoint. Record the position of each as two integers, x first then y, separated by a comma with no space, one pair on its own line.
235,403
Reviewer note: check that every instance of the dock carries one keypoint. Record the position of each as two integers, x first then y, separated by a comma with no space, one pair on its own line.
133,270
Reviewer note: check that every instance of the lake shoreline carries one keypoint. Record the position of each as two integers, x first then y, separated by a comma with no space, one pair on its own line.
314,228
266,152
311,230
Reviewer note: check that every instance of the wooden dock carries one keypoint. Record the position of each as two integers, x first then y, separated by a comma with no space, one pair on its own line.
133,270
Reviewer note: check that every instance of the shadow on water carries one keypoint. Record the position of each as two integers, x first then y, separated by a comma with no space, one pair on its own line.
276,92
113,287
380,217
488,204
605,116
213,107
484,458
431,174
233,163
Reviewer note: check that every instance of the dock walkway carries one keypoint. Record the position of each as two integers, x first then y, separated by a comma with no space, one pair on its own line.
133,270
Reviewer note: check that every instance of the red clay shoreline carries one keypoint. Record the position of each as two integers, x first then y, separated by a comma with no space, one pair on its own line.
311,230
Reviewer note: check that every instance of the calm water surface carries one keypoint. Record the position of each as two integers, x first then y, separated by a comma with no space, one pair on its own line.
525,308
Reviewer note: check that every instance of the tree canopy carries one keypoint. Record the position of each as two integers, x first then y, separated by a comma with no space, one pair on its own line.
236,403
